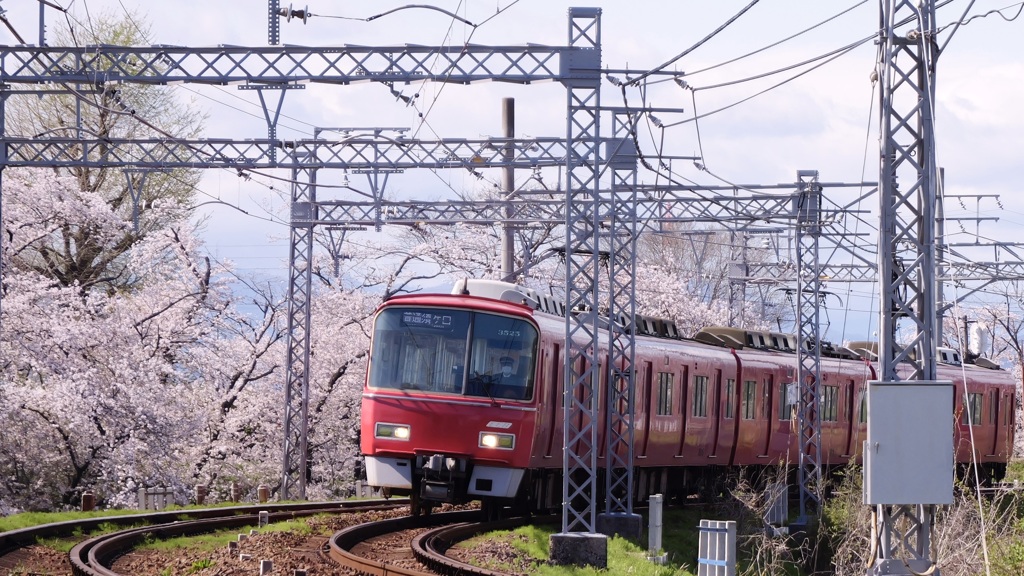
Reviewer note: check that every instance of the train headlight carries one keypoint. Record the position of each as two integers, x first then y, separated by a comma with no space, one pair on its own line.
496,440
392,431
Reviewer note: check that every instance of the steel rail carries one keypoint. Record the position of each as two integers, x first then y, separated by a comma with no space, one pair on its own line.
429,547
13,540
93,557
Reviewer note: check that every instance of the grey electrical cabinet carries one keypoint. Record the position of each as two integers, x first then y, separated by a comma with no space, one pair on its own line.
908,455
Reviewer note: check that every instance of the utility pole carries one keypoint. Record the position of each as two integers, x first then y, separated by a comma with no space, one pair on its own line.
508,186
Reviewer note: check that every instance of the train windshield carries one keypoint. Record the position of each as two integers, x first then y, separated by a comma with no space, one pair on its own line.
453,352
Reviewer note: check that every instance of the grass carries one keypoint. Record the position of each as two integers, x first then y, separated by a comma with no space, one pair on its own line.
65,544
203,542
30,519
679,542
215,540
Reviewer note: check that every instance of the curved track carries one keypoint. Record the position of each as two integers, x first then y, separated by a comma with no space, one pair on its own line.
431,536
437,533
91,556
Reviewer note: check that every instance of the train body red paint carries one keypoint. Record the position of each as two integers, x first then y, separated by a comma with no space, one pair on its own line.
463,401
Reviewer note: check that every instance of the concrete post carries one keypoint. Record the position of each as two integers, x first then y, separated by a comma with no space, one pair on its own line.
88,502
263,493
654,529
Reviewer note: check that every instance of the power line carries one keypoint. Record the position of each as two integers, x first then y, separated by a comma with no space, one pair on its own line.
714,33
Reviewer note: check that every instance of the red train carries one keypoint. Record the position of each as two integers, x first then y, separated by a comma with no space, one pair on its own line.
462,401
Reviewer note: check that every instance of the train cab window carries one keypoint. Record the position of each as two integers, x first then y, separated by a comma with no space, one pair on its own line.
749,399
665,382
453,352
829,403
973,415
730,389
700,396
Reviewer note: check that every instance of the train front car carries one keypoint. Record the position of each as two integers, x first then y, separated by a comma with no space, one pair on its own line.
448,407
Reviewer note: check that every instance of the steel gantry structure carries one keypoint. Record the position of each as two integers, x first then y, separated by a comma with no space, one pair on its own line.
906,261
577,66
808,350
597,221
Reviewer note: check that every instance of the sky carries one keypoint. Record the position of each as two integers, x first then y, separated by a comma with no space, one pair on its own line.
822,119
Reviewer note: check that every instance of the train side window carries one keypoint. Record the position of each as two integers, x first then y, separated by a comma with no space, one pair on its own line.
784,401
973,416
730,388
749,398
829,403
700,396
665,385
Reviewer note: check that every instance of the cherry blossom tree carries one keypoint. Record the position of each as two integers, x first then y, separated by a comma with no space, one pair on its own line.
340,343
111,388
69,251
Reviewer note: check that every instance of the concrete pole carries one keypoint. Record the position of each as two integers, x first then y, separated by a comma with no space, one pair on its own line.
508,184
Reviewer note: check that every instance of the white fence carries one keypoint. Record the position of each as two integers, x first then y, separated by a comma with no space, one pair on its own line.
716,551
155,498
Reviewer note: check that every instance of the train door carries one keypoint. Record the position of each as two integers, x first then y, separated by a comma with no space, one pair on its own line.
684,378
734,405
848,412
554,397
646,416
993,420
1008,422
766,413
716,397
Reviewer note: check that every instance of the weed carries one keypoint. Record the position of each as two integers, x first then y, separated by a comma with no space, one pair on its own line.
201,565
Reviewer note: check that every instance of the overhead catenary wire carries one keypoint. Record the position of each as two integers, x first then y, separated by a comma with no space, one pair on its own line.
835,56
700,43
657,173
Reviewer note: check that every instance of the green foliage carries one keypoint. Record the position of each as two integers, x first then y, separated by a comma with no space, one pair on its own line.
844,505
220,539
201,565
203,542
1015,471
624,556
533,540
301,526
29,519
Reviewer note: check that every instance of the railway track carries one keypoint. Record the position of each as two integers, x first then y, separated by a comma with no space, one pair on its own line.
427,538
435,534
